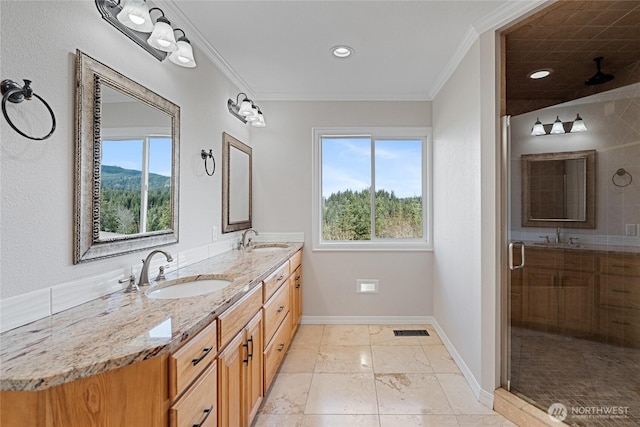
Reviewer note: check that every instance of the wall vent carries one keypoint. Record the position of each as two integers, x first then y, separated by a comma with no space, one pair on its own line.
410,333
367,286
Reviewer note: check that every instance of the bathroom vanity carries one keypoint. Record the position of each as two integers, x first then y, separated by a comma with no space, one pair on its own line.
586,291
130,360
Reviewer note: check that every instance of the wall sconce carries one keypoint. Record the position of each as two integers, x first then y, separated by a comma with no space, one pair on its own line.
558,127
246,111
133,19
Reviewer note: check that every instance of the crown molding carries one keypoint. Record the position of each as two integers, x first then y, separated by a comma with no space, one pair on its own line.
342,96
206,48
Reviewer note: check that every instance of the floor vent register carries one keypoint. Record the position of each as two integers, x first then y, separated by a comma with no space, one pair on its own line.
410,333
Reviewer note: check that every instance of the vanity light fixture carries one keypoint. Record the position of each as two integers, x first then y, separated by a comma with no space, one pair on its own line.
133,19
558,127
246,111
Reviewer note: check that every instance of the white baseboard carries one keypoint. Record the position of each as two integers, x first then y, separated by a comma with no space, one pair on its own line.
483,396
366,320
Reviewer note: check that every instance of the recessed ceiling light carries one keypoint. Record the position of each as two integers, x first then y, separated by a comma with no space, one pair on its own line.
342,51
540,74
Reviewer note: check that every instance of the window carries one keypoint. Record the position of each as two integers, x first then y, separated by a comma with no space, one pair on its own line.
371,189
135,185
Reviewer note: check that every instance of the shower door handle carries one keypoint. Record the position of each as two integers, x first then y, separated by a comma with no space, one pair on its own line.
511,245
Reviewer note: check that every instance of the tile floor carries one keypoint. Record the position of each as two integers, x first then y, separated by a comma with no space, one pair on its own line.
549,368
364,376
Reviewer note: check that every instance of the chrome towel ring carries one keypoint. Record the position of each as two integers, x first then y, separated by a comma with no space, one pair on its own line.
621,173
14,93
206,156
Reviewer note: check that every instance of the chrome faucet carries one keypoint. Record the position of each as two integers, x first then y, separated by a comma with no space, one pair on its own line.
243,242
558,235
144,274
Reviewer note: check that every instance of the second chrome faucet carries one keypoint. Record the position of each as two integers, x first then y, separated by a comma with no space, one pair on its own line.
144,273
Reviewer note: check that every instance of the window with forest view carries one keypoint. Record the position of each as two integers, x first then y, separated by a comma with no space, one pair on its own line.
135,186
372,189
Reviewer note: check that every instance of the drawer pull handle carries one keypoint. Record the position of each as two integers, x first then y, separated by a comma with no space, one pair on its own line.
280,278
620,291
297,277
250,352
281,347
207,412
621,323
298,286
206,351
620,266
280,309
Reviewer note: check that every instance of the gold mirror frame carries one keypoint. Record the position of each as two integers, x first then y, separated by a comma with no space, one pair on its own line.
90,74
230,143
590,179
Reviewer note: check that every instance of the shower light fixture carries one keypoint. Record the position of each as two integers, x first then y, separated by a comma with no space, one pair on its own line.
558,127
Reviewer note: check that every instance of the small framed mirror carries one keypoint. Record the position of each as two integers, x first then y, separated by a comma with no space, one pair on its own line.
127,164
236,184
558,189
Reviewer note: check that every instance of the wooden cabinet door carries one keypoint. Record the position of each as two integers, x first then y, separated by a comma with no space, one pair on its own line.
577,301
540,296
296,298
253,367
230,383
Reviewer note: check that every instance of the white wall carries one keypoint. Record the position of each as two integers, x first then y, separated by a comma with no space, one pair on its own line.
38,41
282,199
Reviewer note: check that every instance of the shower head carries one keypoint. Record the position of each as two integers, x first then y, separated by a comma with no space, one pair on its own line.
599,77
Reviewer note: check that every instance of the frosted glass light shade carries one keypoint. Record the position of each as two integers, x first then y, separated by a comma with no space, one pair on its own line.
578,125
259,121
135,15
538,129
246,108
557,127
253,116
162,37
184,55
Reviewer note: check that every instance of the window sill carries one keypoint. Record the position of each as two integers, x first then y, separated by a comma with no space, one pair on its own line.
373,247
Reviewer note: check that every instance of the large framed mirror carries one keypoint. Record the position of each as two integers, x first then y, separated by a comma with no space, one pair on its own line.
558,189
127,164
236,184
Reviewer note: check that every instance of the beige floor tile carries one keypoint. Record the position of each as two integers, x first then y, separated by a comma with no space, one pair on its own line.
344,358
300,360
276,420
494,420
400,359
340,421
342,394
383,335
345,335
432,339
460,396
410,394
440,359
308,336
418,421
288,394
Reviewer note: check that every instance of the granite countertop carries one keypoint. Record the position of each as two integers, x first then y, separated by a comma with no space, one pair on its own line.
584,247
119,329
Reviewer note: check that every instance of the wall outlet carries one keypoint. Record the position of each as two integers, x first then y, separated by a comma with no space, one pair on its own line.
630,230
367,286
214,234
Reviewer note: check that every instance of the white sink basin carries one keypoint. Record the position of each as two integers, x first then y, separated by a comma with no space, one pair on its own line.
269,247
189,289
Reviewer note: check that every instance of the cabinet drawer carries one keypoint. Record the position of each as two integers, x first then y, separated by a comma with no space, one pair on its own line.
295,261
275,351
620,291
233,319
579,260
620,323
628,265
198,405
274,311
271,284
542,257
191,359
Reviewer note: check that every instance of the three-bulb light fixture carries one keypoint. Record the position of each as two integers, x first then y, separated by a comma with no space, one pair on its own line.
246,111
133,18
558,127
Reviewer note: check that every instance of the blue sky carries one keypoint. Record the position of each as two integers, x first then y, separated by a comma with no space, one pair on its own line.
346,164
128,155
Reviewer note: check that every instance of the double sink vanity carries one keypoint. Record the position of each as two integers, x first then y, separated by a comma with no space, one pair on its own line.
197,349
